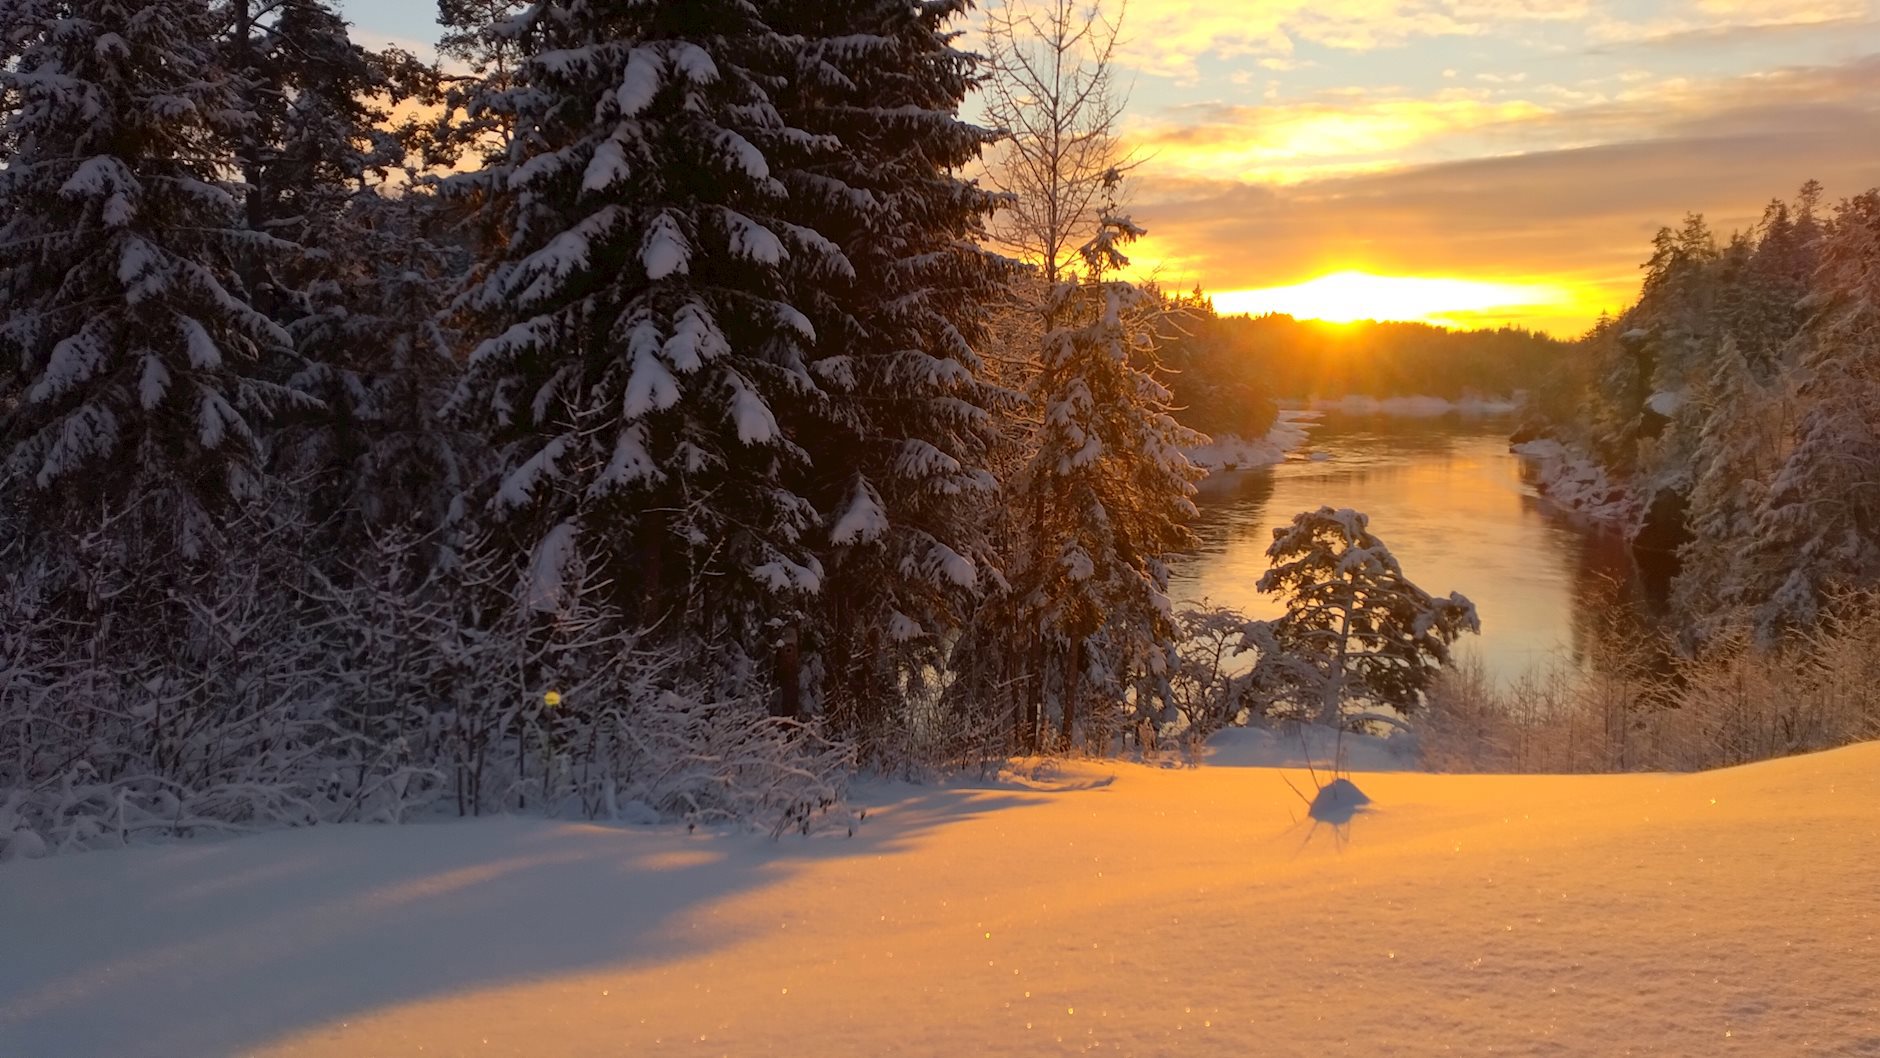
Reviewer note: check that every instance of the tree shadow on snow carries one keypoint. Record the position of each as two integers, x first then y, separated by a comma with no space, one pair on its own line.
214,947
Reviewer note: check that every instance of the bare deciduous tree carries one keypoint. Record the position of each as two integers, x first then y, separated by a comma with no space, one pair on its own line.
1051,89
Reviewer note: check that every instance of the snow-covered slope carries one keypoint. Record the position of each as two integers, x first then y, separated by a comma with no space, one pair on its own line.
1115,910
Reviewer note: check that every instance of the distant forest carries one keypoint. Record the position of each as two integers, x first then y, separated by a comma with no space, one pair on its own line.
1226,371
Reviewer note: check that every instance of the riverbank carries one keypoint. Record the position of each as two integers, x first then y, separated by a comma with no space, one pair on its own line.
1418,407
1229,452
1575,482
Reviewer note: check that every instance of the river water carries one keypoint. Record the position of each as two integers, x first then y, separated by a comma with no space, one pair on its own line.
1458,510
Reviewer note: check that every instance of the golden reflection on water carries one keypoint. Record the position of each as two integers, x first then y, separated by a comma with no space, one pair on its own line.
1453,506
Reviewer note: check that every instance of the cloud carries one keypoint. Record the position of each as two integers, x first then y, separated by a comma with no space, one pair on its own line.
1562,210
1719,23
1169,37
1291,142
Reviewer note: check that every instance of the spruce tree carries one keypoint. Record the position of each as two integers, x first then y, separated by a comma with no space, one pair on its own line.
1106,493
1362,630
378,354
898,443
131,349
1730,469
643,354
1818,528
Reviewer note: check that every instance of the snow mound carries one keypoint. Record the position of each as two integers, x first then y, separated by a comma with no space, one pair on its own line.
1666,402
1578,483
1338,802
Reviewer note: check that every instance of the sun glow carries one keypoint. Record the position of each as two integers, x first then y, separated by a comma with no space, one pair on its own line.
1346,297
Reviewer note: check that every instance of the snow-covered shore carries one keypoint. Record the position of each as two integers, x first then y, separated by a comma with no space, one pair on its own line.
1114,908
1576,482
1229,452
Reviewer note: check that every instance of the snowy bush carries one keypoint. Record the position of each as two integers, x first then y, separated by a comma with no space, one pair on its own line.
232,699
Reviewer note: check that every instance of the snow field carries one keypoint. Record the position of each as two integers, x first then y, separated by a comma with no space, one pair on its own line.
1078,908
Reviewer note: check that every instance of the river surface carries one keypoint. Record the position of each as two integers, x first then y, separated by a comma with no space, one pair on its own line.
1458,510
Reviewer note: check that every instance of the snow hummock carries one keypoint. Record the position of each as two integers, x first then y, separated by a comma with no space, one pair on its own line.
1666,402
1062,908
1338,802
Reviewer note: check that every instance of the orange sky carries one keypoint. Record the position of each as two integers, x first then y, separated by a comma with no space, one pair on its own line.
1498,161
1494,161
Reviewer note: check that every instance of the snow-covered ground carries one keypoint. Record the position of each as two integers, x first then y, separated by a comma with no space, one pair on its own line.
1578,483
1230,452
1113,909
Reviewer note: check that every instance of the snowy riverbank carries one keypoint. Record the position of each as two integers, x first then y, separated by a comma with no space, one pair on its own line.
1576,482
1113,908
1229,452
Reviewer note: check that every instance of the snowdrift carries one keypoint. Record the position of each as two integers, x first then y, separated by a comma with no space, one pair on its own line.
1111,909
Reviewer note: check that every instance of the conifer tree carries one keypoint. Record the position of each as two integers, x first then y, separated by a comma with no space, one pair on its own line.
1106,494
382,360
312,137
898,444
1730,469
1353,620
1819,525
644,354
131,349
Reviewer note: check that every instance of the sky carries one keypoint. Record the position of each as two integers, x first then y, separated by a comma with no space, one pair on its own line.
1468,162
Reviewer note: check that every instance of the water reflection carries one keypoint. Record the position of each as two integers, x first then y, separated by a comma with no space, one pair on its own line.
1458,511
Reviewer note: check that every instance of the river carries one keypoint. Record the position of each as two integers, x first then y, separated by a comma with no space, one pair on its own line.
1457,509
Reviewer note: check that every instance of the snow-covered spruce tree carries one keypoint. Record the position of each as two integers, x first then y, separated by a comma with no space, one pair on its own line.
130,350
1730,473
1763,307
645,361
898,436
1368,635
1819,524
362,282
1106,495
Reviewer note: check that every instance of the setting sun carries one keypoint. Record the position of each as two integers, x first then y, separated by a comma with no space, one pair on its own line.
1346,297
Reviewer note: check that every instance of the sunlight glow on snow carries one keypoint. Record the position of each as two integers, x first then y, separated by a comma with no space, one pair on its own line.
1346,297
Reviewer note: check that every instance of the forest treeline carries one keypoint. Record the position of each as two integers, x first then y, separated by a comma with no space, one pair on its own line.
1304,360
1730,421
1739,402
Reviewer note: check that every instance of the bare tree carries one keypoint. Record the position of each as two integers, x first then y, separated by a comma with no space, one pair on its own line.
1051,89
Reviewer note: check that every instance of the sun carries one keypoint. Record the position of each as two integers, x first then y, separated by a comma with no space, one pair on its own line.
1347,297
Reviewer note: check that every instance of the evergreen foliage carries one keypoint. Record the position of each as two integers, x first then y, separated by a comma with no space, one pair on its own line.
133,351
1356,630
1738,398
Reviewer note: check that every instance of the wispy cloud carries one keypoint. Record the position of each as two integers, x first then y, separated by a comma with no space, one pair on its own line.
1171,36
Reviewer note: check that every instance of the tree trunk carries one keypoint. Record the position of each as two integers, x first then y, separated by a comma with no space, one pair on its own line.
790,674
1333,695
1072,669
